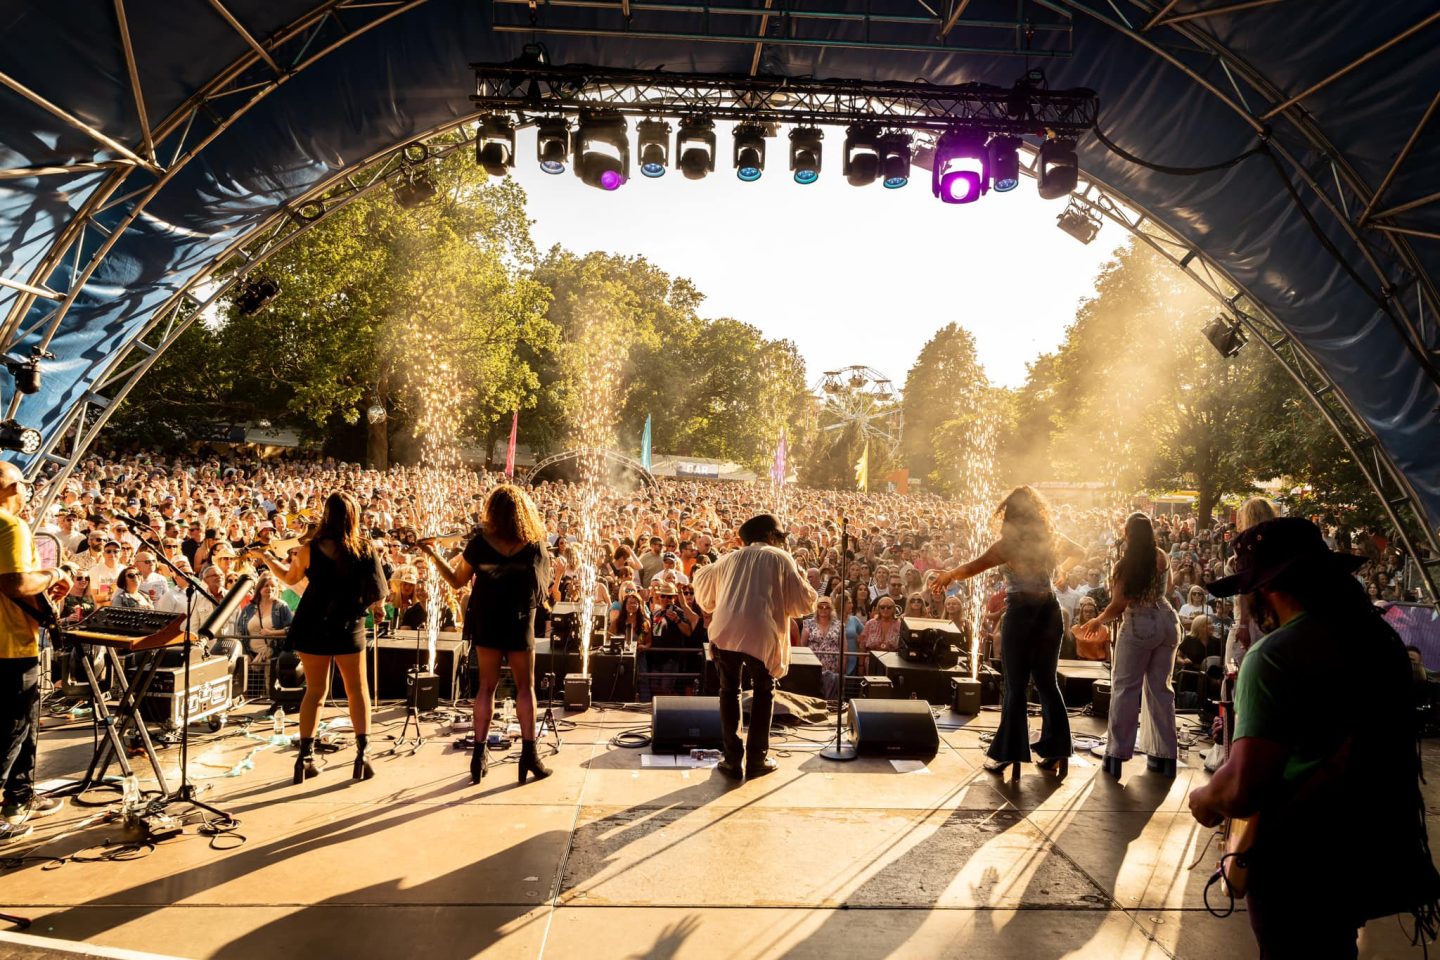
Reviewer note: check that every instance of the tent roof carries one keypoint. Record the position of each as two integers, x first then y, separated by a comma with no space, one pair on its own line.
250,104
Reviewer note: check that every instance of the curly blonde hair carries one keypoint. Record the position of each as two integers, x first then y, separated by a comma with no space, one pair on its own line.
510,514
1026,529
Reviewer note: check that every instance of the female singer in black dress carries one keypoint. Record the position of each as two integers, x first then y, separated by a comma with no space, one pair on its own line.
1028,552
511,569
345,578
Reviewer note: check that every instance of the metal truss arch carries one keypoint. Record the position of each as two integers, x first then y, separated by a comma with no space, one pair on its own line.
1392,489
169,321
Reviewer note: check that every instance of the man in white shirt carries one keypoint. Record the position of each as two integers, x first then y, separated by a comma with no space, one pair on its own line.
752,594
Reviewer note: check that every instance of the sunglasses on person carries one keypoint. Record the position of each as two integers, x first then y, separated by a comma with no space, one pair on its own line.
112,550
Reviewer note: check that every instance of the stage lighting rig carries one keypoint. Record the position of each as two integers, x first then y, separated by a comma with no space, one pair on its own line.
255,294
861,164
414,187
1056,169
1080,220
27,372
895,160
962,167
653,147
495,144
15,437
1004,163
750,150
602,151
805,154
695,147
1225,335
552,145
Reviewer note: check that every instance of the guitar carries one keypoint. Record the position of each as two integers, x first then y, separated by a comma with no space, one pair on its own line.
1237,834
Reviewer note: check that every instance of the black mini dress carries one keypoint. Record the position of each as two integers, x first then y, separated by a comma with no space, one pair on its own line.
330,620
505,594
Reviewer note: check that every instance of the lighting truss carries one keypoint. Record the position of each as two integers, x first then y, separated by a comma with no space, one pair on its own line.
528,87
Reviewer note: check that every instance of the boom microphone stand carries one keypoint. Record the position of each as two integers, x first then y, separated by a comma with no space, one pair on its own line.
838,749
208,630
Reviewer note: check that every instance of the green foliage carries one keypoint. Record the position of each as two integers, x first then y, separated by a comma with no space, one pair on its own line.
948,400
1136,397
366,298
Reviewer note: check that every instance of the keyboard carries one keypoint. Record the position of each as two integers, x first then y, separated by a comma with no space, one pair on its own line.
130,628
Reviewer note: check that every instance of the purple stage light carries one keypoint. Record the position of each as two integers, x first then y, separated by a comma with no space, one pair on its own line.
611,180
960,186
961,172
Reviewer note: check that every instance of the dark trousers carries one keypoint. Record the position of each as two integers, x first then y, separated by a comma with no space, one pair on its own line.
762,708
1294,923
1030,638
19,726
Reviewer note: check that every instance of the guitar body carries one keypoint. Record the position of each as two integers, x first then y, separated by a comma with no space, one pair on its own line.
1237,838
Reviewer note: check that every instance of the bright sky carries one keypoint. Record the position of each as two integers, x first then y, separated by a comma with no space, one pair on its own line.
851,275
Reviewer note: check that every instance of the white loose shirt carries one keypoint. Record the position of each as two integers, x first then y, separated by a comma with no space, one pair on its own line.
752,594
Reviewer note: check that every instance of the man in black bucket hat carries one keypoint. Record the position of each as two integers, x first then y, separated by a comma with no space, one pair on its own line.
1324,751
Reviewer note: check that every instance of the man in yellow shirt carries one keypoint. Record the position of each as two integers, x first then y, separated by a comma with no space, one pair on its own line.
21,582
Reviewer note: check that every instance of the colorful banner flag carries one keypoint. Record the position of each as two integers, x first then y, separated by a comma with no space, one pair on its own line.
862,469
510,450
645,444
777,470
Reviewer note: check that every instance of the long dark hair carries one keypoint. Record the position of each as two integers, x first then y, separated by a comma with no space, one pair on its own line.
340,524
1026,532
1137,569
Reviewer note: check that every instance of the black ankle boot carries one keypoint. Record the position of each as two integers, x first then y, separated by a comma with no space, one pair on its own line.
363,770
479,761
1114,766
1165,766
305,767
530,762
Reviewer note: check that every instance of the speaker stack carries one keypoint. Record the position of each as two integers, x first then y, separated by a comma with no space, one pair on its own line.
682,724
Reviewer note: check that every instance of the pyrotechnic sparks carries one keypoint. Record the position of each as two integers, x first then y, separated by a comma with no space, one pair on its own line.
978,488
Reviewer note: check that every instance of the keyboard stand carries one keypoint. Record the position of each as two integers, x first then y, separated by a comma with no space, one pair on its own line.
115,724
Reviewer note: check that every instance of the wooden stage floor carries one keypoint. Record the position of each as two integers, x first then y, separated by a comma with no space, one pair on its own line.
609,858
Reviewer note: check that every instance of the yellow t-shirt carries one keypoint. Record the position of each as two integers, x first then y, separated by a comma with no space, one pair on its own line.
19,633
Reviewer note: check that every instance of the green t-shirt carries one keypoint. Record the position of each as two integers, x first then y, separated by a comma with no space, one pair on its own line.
1285,693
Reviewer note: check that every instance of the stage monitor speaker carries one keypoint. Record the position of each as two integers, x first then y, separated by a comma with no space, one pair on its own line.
682,724
898,729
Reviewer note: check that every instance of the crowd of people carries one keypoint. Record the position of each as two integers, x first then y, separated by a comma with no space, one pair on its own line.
208,516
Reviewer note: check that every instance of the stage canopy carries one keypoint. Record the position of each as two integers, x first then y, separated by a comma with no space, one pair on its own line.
145,147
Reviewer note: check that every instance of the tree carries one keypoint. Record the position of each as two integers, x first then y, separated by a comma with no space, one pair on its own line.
946,390
375,302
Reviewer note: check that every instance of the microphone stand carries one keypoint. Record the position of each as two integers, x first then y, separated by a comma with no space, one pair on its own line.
193,586
838,749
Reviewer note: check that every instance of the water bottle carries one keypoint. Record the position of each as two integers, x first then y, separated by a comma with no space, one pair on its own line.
278,721
130,800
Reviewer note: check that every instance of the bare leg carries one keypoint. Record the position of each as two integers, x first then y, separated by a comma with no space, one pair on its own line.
352,672
317,687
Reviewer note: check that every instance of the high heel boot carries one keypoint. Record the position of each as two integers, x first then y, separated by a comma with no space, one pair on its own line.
1165,766
479,761
363,770
1001,766
530,762
1114,766
305,767
1060,766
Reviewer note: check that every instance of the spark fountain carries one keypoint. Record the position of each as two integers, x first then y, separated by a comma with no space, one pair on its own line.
979,490
437,426
598,356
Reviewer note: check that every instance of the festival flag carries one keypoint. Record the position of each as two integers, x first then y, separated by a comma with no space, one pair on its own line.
510,450
645,444
862,469
777,470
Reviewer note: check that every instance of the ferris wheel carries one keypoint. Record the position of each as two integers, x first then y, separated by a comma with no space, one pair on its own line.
865,399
